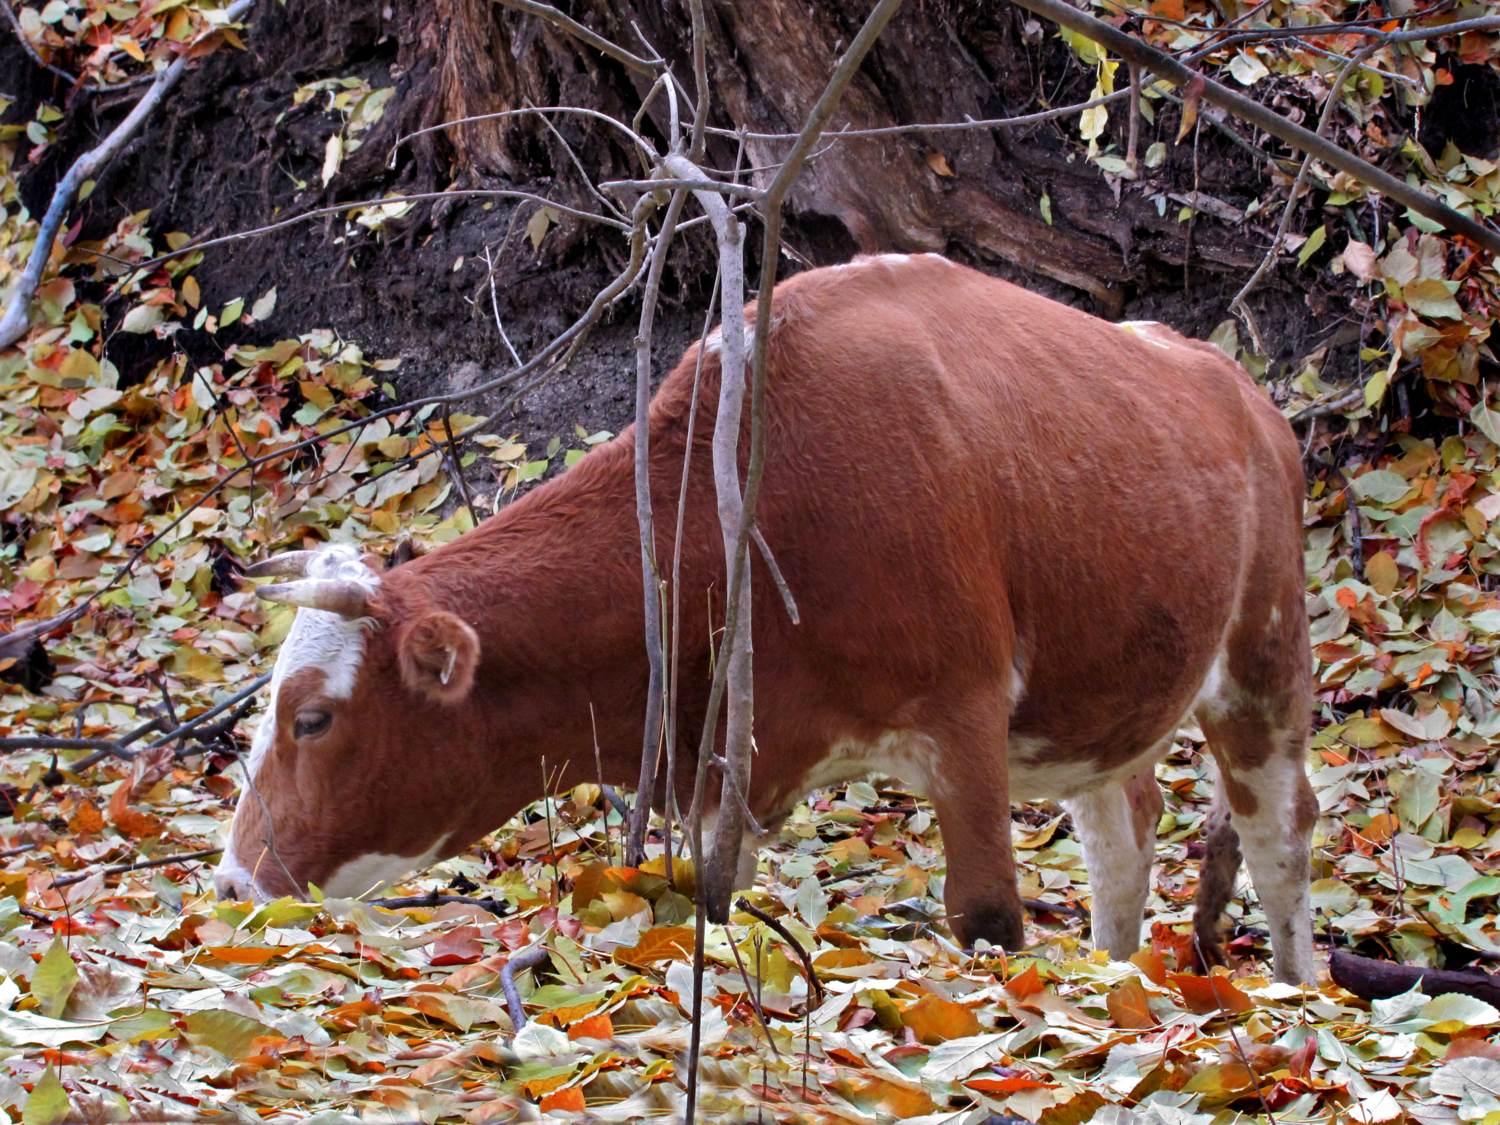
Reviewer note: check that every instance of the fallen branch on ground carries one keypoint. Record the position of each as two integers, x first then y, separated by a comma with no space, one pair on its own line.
1370,979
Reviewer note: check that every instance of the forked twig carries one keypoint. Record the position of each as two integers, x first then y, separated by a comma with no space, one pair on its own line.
742,903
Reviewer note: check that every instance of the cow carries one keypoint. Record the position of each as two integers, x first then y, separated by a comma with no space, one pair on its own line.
1026,545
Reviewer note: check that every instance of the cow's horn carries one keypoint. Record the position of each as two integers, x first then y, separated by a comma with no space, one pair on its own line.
335,595
289,564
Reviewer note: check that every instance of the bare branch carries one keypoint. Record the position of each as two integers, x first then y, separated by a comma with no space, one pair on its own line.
1238,304
1138,53
122,868
519,964
682,185
776,576
651,67
635,850
544,109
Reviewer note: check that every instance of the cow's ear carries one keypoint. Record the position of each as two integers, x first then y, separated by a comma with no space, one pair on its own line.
438,653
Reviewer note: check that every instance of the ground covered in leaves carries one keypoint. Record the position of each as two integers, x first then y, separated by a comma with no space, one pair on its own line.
136,994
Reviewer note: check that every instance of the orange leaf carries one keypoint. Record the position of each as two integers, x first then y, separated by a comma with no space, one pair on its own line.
1026,984
570,1100
1129,1007
243,954
935,1020
1208,994
1190,95
586,884
1149,962
594,1027
86,819
1004,1085
660,943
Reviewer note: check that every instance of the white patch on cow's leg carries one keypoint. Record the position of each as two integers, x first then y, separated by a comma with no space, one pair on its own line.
371,872
1278,855
1117,827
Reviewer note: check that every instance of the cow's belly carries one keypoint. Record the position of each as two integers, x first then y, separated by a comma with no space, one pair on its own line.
1037,772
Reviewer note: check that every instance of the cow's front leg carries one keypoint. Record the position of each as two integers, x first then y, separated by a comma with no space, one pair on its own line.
971,794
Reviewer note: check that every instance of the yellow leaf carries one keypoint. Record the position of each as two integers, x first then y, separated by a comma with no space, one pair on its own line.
662,943
934,1020
1382,573
939,164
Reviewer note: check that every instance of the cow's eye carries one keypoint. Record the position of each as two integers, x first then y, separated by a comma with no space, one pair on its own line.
311,723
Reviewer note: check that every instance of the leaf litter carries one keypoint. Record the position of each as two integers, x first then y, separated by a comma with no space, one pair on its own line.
137,994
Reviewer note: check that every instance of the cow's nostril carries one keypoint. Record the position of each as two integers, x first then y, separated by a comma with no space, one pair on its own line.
231,881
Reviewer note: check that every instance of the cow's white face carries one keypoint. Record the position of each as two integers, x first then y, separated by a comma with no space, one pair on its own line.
321,800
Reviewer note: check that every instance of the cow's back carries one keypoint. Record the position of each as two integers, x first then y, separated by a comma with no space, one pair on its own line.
970,484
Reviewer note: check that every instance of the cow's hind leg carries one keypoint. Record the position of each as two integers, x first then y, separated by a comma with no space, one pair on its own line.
1117,827
1259,753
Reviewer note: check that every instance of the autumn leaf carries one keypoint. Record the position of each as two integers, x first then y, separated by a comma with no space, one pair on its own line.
660,943
1213,993
934,1020
1129,1006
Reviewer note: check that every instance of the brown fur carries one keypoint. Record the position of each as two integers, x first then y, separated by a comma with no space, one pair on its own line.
963,479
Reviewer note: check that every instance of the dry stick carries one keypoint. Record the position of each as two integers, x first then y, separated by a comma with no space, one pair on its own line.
498,907
1368,28
651,67
1135,120
599,769
17,317
1134,51
106,748
776,576
495,305
122,868
417,197
682,492
452,457
519,964
736,674
751,993
742,903
578,166
1234,1035
1238,305
635,850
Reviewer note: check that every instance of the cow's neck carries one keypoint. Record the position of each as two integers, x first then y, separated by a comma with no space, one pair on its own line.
552,584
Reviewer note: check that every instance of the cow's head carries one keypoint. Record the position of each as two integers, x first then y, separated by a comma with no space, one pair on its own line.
334,794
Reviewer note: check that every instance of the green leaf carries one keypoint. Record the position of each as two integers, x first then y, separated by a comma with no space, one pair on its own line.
231,312
1382,486
1046,205
1333,896
228,1033
48,1103
54,980
1313,244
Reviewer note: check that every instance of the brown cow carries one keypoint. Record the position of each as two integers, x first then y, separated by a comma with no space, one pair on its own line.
1026,544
